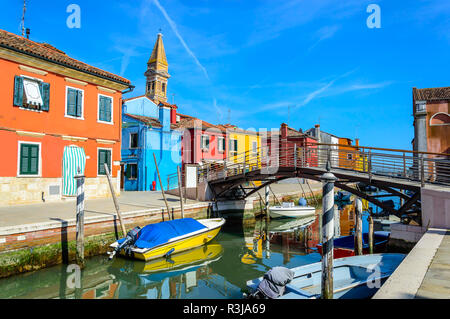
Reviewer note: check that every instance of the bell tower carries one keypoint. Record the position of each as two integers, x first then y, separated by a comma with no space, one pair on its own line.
157,73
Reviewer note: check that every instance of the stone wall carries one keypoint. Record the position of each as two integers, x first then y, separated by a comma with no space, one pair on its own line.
24,190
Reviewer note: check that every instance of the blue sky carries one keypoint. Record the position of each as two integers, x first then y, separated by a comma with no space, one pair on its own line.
250,60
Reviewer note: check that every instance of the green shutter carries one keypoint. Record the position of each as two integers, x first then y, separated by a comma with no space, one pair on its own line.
79,102
71,102
18,91
101,107
104,156
45,94
107,105
29,159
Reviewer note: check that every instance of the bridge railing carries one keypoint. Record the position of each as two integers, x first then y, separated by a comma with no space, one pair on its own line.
416,166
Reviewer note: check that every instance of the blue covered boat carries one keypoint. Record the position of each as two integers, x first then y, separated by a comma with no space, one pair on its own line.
356,277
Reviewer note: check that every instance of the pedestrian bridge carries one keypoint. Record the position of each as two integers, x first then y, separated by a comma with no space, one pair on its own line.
398,173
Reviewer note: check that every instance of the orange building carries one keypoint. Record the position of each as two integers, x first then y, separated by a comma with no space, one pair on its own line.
57,114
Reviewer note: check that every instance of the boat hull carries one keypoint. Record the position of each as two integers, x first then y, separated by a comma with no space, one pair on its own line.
356,277
291,212
177,245
342,249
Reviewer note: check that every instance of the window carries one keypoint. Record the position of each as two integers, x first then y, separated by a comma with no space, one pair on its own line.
349,156
204,142
164,88
74,102
28,159
104,108
255,147
104,156
132,171
221,145
133,140
31,93
153,86
233,147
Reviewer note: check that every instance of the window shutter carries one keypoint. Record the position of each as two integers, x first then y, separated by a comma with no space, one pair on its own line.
24,159
71,102
18,91
29,159
101,115
107,105
45,94
79,101
34,161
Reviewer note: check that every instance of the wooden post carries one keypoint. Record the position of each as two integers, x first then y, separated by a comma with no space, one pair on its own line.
358,231
116,204
180,188
161,185
370,166
79,256
404,165
328,179
370,234
275,196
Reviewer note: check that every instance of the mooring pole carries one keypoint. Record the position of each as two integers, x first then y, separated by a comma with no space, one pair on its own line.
266,199
328,180
161,185
358,231
79,256
370,234
116,204
180,188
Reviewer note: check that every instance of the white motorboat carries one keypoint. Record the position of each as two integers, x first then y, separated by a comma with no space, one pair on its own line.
288,209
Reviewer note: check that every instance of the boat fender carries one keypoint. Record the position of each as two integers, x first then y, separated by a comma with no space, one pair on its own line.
302,202
167,255
274,282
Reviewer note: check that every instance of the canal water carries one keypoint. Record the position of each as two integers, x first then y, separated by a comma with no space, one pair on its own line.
243,250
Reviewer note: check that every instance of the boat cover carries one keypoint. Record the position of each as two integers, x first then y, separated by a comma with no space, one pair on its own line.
274,281
153,235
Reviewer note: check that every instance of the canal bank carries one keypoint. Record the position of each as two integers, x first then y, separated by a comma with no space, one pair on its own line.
38,236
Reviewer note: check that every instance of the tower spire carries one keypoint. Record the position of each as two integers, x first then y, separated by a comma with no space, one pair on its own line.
157,72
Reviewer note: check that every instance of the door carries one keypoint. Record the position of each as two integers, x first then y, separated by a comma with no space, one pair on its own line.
74,158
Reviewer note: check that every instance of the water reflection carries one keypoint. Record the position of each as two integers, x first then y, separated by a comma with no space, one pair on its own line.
243,250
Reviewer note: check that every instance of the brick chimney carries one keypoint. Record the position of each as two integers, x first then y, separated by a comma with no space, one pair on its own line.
317,132
357,141
283,130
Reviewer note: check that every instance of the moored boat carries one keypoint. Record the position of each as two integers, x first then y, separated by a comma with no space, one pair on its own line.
356,277
290,210
345,246
166,238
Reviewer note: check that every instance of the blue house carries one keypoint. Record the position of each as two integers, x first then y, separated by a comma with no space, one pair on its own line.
146,130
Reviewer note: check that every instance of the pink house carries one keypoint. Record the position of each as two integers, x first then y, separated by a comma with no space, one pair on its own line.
202,142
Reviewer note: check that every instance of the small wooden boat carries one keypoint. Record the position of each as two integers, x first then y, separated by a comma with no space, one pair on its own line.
345,246
166,238
356,277
290,210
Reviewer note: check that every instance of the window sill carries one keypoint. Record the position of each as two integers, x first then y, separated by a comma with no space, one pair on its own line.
31,176
74,117
30,109
103,122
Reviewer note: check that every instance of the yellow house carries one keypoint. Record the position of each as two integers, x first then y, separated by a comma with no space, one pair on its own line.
244,146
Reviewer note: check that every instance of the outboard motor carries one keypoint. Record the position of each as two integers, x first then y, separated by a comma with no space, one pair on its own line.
273,284
129,241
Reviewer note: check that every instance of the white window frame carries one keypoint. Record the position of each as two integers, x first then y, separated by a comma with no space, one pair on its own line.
98,159
204,148
255,147
221,144
133,148
18,159
82,104
98,109
133,178
232,151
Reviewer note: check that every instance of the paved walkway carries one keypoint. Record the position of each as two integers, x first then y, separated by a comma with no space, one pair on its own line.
425,271
436,283
129,202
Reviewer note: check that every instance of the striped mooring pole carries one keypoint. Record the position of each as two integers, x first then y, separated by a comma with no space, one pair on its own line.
79,257
328,180
266,199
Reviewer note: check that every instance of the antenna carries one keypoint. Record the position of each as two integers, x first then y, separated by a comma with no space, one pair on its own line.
289,114
22,24
229,116
173,98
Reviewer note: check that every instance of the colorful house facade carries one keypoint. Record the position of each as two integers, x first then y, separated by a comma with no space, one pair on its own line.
147,131
59,116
